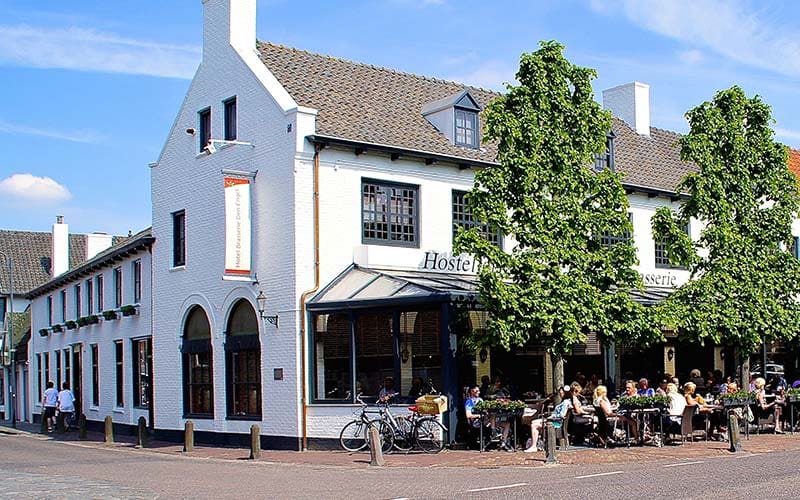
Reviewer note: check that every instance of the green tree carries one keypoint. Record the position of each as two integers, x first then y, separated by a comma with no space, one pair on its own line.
559,281
745,283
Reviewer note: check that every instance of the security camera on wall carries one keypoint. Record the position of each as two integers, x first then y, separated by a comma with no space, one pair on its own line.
209,148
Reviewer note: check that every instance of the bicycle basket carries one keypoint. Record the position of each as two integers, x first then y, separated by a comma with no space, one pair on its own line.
431,404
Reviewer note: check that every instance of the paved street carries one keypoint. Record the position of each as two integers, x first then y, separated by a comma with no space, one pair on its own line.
36,466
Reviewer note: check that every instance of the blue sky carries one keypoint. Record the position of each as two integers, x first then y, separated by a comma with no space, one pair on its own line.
91,88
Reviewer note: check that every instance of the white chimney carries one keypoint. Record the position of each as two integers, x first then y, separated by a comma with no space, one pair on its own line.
229,22
96,243
59,257
631,103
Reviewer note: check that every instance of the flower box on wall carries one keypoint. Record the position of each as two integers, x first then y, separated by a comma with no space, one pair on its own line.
58,328
110,315
92,319
128,310
44,332
71,325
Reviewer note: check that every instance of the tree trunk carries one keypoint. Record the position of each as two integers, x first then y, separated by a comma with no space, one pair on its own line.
558,375
744,373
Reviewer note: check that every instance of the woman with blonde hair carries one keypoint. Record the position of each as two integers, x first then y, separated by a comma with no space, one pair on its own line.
765,407
689,389
601,401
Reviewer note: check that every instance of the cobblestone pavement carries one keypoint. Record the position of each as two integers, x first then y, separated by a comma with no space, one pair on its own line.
26,485
757,444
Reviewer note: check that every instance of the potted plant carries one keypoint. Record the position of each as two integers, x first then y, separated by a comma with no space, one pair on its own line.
644,402
82,321
71,325
58,328
93,319
44,331
500,406
738,398
110,315
128,310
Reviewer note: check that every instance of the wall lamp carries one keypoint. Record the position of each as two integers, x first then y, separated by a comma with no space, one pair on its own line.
262,304
484,355
404,355
670,354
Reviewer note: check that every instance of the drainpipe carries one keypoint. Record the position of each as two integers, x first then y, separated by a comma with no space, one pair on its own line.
308,293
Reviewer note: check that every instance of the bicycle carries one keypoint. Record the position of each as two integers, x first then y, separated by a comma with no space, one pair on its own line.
354,435
403,431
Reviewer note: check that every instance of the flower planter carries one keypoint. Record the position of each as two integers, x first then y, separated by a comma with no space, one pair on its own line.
635,402
88,320
44,332
58,328
71,325
110,315
128,310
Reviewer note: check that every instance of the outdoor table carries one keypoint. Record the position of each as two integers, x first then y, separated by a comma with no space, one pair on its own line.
486,417
641,415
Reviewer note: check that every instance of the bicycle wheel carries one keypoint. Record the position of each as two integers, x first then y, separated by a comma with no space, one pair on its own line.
430,435
353,436
384,431
404,434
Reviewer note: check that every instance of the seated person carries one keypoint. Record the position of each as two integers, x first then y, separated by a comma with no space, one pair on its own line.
644,389
602,402
497,391
689,389
474,420
557,417
662,387
677,403
417,388
582,421
630,389
388,391
765,407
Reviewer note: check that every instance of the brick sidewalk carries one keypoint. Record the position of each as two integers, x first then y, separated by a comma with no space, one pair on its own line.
764,443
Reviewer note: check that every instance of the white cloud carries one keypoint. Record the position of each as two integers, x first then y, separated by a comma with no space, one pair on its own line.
691,56
82,136
791,135
732,29
488,75
27,187
90,50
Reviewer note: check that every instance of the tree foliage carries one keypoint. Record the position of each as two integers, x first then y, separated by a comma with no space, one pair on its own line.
745,283
557,282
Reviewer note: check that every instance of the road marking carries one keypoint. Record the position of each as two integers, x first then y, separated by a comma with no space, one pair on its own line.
600,474
748,456
683,463
515,485
401,498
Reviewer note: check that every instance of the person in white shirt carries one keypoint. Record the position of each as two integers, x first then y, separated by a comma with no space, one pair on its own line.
49,404
66,404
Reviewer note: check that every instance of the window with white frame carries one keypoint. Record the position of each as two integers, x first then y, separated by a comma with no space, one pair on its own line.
143,358
118,287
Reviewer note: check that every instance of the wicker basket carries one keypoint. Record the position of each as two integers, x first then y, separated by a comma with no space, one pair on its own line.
430,404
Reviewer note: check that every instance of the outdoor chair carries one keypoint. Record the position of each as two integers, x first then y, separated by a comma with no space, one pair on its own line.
604,430
764,418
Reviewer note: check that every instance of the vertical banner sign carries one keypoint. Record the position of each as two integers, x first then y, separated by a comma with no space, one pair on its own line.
237,226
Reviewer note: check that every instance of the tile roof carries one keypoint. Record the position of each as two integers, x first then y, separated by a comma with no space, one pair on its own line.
120,246
652,161
370,104
794,162
30,252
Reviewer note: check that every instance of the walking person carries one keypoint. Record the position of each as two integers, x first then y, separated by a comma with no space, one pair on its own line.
49,403
66,406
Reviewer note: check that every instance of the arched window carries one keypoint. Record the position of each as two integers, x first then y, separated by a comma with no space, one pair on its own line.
243,360
198,372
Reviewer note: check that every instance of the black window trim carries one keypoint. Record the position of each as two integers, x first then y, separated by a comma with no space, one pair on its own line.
204,135
391,184
226,106
484,228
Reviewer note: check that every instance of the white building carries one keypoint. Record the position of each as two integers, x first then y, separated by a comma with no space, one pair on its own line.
332,187
91,327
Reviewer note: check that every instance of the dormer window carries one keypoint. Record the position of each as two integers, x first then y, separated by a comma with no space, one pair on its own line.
466,128
456,117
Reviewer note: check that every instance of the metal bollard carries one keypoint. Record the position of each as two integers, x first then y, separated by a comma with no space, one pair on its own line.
82,427
109,431
550,444
255,442
375,451
141,435
733,433
43,427
188,436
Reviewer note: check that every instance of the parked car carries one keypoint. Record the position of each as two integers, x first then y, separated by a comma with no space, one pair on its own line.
773,369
